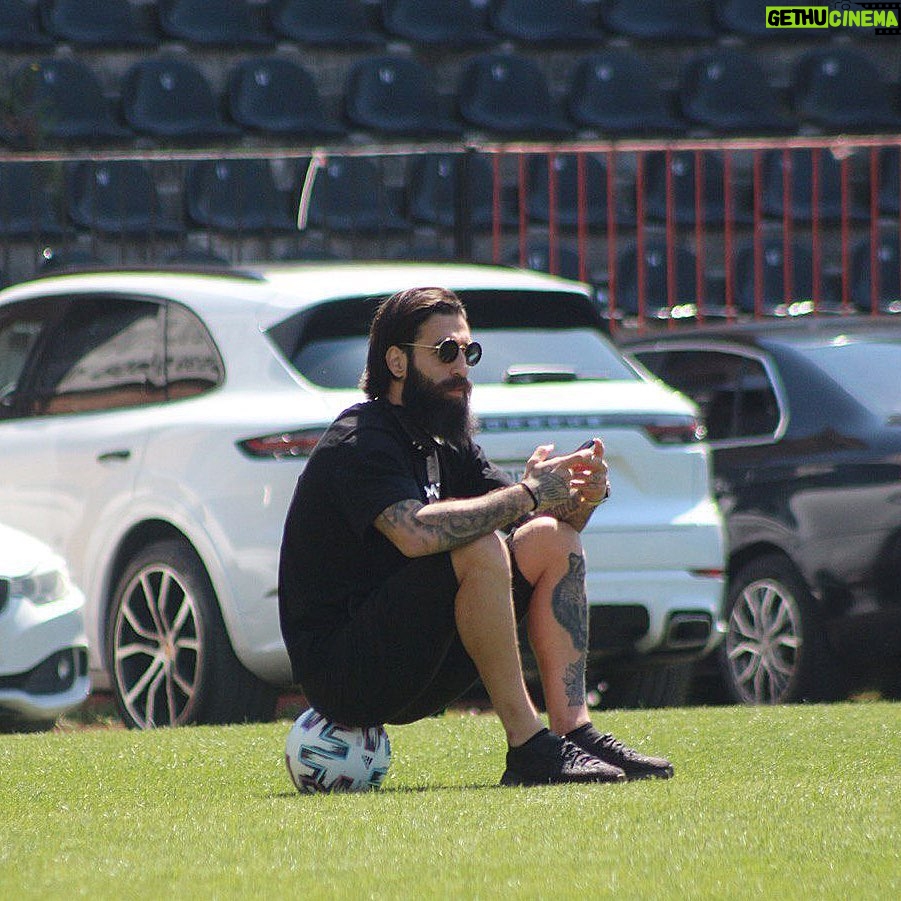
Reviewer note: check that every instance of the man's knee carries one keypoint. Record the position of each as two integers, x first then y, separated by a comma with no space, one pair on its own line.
486,557
544,543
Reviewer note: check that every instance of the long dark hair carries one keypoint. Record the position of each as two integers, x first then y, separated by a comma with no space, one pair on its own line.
397,321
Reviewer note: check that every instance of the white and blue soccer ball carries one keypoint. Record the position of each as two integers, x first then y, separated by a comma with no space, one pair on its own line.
324,756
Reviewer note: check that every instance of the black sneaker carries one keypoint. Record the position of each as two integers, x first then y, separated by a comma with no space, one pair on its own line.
546,759
615,753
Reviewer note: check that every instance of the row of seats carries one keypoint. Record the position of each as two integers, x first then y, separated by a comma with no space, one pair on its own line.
616,92
351,194
120,23
754,264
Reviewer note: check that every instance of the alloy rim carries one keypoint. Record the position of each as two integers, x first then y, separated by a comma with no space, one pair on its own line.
156,648
764,642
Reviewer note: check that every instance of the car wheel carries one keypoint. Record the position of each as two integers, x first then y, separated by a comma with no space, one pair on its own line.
170,659
645,687
774,651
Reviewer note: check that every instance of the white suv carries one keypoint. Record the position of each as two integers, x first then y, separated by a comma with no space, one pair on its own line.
154,423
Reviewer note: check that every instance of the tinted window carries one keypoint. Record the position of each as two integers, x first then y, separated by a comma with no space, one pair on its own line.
20,328
193,364
103,354
733,391
526,336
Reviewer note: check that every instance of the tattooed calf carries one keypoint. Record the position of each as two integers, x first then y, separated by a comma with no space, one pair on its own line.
569,605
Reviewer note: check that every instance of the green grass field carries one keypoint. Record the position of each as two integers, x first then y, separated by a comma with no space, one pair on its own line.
787,802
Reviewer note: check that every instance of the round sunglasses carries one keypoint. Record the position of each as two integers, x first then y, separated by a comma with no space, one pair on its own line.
448,349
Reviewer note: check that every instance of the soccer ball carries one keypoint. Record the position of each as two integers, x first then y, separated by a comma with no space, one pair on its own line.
323,756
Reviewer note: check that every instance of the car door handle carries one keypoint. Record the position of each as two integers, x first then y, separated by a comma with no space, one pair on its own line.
109,456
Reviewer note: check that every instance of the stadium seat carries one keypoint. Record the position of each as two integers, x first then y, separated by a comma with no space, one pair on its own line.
116,197
654,261
60,99
194,255
433,184
887,285
169,97
550,21
841,88
237,195
445,22
213,22
800,171
538,258
773,298
681,188
394,95
726,90
671,20
105,23
566,196
337,23
20,28
349,195
27,205
279,97
889,180
747,18
508,94
618,92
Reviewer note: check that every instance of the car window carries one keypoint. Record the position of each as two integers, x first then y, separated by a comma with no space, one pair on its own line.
526,337
103,354
20,328
733,391
193,364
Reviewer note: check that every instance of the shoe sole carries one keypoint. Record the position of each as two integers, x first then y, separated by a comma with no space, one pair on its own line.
511,779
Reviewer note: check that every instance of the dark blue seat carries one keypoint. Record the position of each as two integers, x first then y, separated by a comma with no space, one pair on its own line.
337,23
349,195
799,161
169,97
445,22
773,297
726,89
395,95
20,26
617,91
116,197
27,204
434,185
192,255
237,195
547,22
566,179
277,96
841,88
565,261
509,94
678,191
60,99
671,20
110,23
654,263
887,282
213,22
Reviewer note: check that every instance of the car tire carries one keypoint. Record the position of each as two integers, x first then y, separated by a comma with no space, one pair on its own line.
665,685
170,660
775,651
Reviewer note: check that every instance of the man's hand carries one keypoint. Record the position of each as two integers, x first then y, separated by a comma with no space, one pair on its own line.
568,487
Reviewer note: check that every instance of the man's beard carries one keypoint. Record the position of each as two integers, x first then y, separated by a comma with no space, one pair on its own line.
430,406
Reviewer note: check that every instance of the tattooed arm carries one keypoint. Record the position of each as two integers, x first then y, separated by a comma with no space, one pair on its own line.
417,529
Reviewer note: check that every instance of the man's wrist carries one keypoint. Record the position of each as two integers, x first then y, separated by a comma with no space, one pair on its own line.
531,494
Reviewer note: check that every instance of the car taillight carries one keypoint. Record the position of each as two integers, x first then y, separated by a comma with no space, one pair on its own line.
282,444
674,429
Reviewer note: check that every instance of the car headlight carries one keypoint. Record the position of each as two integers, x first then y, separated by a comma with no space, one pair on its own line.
41,587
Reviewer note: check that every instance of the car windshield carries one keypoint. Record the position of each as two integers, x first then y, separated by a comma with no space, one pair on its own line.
867,370
526,336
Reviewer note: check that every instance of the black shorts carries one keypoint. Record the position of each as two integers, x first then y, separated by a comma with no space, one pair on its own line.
400,658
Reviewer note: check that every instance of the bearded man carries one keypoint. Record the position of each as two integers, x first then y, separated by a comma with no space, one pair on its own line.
408,559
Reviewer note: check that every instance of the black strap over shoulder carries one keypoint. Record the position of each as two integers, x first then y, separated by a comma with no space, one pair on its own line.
425,445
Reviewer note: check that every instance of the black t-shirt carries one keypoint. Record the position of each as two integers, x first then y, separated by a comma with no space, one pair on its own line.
332,557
